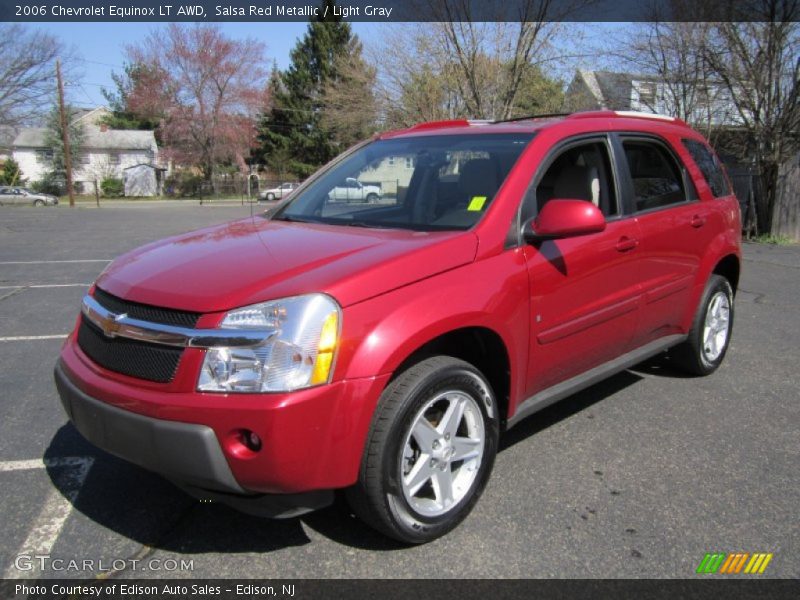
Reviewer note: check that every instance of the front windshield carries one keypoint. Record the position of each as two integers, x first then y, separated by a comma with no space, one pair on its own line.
443,182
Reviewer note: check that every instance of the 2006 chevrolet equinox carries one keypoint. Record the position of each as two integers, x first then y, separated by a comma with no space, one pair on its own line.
382,348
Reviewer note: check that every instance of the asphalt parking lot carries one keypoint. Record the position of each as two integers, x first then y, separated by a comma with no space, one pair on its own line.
638,476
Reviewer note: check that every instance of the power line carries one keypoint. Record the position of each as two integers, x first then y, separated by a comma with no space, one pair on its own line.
97,62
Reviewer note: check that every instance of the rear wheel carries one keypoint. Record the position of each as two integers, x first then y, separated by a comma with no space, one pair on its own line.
372,198
430,451
705,348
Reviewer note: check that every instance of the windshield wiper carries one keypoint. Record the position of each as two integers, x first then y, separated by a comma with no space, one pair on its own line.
292,219
364,224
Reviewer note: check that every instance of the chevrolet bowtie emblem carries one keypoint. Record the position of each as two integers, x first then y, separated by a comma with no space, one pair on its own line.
111,324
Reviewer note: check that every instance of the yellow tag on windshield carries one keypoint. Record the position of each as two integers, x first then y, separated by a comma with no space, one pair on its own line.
476,203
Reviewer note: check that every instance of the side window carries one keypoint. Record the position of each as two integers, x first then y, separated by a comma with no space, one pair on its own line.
581,172
657,179
710,166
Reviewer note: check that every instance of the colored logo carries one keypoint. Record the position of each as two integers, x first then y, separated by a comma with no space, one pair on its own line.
735,563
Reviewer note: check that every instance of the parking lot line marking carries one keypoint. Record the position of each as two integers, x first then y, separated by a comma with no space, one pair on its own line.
53,514
41,463
54,262
26,338
36,286
20,465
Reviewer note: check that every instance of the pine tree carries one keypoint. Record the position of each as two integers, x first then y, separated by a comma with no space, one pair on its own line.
122,115
293,132
11,174
55,142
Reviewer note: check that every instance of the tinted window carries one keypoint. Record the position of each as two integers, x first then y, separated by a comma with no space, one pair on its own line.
580,173
710,166
441,182
657,179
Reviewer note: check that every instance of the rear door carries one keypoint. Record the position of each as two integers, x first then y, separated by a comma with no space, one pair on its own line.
673,229
584,290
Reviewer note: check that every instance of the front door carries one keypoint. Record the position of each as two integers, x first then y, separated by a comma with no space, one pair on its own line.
585,290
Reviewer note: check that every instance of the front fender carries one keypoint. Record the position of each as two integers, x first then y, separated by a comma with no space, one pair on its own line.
380,333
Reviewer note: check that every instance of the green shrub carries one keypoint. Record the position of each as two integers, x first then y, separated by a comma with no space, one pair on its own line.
10,173
112,187
51,183
183,184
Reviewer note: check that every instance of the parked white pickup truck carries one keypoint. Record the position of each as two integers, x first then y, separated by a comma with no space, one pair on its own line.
354,191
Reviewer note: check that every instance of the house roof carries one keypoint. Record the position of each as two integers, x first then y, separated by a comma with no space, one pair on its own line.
111,139
611,89
615,89
148,165
7,135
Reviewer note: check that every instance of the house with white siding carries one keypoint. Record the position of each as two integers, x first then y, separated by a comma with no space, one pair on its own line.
7,135
709,104
104,152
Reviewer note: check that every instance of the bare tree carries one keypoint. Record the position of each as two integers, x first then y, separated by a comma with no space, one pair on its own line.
463,67
27,73
349,109
671,53
493,59
759,64
205,88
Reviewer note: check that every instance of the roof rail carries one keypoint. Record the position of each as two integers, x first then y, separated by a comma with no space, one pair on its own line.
440,124
531,117
630,114
645,115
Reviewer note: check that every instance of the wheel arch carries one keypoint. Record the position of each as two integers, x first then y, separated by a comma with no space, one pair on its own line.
481,347
729,267
723,257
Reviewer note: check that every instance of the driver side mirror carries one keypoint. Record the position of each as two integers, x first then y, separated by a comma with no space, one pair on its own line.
560,218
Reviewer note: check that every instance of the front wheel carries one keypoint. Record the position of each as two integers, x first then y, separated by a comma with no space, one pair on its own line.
372,198
38,202
703,351
430,451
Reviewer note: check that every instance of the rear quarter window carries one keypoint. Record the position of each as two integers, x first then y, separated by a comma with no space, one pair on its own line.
710,166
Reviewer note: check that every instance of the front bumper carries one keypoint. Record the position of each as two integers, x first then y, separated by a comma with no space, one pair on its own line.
184,452
188,454
313,439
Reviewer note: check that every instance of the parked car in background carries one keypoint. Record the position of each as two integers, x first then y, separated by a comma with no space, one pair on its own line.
352,190
24,196
277,193
383,349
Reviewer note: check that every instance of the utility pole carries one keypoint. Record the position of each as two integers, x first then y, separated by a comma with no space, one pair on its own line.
65,134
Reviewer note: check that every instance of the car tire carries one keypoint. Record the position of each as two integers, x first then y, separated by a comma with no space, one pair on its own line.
414,485
705,348
38,202
270,197
372,198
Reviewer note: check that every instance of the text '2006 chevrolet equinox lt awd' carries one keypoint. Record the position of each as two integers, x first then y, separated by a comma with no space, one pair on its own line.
382,348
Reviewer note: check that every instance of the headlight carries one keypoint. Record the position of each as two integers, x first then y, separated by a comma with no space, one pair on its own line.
299,352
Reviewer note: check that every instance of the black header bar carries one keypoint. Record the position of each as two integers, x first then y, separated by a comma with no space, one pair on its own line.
394,11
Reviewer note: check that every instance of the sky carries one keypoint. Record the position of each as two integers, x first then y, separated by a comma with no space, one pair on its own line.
101,46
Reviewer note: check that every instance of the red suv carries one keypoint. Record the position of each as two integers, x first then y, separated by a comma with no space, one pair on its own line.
382,348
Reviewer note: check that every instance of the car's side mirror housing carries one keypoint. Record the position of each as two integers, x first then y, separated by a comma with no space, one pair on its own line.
560,218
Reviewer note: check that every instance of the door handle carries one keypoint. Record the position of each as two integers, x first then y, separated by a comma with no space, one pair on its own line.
698,221
625,244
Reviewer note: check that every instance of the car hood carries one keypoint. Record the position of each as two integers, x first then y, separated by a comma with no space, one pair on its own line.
252,260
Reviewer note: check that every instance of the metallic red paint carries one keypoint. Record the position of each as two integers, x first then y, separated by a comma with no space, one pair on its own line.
565,218
559,307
